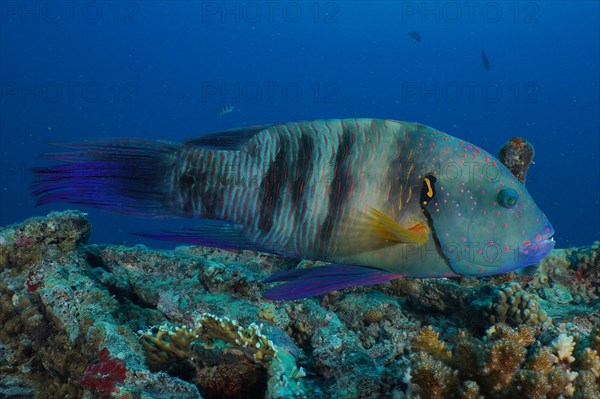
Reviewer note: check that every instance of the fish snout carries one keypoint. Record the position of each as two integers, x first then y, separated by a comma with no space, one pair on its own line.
539,245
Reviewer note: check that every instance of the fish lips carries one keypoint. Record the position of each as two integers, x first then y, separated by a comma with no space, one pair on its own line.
538,246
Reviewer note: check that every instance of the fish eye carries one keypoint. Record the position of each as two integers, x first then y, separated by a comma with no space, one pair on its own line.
508,198
428,189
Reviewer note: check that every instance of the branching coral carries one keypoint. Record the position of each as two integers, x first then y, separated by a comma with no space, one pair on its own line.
587,384
506,363
165,346
428,340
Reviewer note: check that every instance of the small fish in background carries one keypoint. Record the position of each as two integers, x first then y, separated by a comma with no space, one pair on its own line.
415,35
485,60
224,109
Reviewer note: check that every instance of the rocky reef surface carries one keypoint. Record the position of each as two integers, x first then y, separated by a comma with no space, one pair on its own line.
94,321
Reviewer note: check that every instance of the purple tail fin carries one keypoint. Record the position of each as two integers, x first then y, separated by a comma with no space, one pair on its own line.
121,175
303,283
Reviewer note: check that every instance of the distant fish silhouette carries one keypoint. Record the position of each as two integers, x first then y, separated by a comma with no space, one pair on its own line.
485,61
415,35
224,109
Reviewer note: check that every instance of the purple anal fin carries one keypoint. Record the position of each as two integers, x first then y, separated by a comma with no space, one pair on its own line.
304,283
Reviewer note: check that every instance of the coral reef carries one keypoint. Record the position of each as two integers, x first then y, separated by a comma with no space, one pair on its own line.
505,363
571,274
93,321
512,305
166,346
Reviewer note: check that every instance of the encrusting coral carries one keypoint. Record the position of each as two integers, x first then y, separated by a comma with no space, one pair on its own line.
166,346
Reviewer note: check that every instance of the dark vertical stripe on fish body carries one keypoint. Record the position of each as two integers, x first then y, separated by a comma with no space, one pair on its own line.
197,182
210,191
303,169
340,185
184,187
271,186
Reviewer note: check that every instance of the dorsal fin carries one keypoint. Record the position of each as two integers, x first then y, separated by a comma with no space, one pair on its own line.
231,139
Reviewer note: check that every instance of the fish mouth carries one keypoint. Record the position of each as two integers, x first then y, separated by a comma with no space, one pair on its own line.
539,246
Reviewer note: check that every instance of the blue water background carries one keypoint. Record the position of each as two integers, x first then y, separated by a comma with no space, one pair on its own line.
161,69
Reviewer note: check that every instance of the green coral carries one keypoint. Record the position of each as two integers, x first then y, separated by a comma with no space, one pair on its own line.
165,346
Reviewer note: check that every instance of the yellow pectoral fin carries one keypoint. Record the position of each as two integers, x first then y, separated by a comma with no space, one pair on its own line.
387,228
375,230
